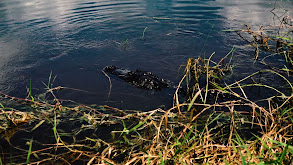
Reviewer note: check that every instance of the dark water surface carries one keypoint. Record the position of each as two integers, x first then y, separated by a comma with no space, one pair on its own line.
76,39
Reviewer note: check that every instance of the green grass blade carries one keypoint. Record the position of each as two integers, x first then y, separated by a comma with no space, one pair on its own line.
207,76
187,136
161,157
291,118
289,83
193,100
39,124
241,143
285,111
137,126
125,130
49,80
265,146
285,151
290,148
29,152
214,119
30,91
242,158
55,128
124,125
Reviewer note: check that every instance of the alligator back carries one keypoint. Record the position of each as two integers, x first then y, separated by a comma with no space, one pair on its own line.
138,78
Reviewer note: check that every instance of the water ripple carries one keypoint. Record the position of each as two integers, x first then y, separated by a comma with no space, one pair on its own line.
40,36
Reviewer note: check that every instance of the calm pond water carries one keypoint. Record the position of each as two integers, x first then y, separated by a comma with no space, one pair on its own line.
76,39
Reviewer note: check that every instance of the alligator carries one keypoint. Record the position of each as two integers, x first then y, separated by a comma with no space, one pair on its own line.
138,78
149,81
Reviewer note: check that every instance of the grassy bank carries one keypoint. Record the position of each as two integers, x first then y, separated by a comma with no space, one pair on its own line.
210,123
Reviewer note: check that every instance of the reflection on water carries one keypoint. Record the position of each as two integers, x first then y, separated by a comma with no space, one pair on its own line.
75,39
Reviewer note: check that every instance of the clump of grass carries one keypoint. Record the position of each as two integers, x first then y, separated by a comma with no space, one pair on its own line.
279,43
193,131
199,70
276,39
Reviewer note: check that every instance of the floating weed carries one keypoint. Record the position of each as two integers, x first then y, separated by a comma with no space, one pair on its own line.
162,18
125,42
144,32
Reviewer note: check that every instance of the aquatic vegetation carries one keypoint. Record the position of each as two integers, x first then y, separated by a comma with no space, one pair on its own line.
144,30
196,130
276,39
280,43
